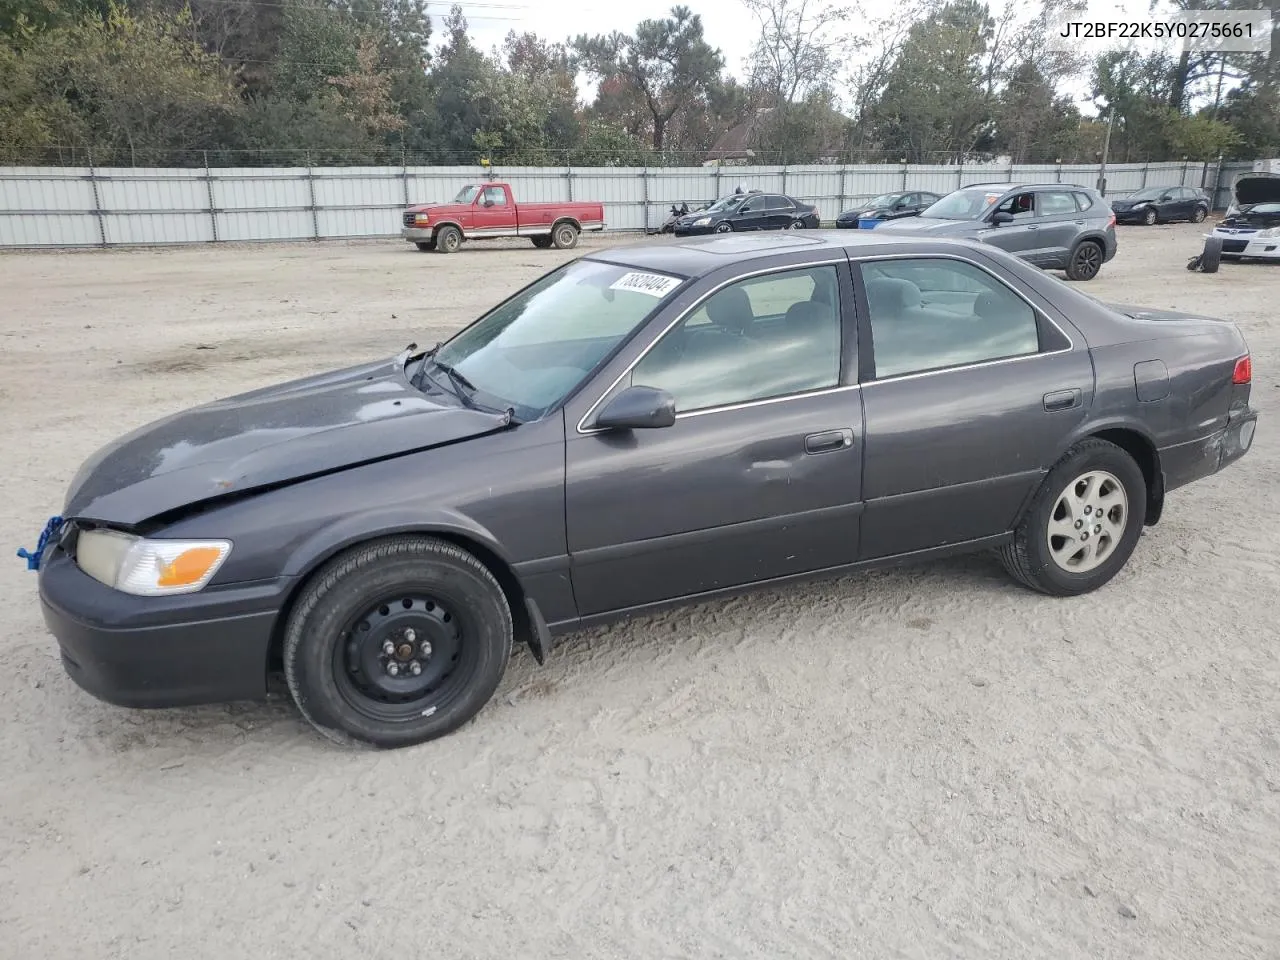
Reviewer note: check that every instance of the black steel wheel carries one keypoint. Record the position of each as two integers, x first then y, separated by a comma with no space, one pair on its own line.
1086,261
397,642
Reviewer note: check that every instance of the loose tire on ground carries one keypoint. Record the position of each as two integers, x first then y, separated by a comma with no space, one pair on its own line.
1040,554
448,240
403,601
1085,260
565,236
425,244
1212,255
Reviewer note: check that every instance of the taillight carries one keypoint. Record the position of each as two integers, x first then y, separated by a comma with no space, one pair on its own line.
1243,373
1111,220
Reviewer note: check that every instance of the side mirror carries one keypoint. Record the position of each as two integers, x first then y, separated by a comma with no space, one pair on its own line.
488,202
639,408
1001,216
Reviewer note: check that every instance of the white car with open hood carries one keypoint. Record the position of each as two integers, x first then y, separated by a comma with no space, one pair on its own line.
1251,227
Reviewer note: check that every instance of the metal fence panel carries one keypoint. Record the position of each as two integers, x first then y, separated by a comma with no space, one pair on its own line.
83,206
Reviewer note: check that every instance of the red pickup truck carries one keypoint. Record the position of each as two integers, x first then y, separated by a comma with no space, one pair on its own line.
482,211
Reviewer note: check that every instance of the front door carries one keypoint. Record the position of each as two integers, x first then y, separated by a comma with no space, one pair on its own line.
1020,237
492,214
970,394
760,475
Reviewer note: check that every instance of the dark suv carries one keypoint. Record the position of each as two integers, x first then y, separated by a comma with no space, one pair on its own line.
1056,226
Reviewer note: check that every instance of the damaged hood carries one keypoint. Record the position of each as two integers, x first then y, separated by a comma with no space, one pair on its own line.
278,434
1256,187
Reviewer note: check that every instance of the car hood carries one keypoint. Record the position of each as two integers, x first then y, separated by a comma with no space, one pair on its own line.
934,226
278,434
1128,204
1258,187
440,209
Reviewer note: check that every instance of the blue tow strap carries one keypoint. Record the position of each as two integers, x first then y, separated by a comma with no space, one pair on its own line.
50,531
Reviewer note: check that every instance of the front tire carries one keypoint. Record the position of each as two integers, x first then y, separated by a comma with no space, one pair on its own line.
425,245
724,227
1150,217
1083,524
1199,215
449,239
542,243
1085,261
397,642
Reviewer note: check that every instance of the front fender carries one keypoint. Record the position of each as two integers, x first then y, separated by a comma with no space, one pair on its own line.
367,525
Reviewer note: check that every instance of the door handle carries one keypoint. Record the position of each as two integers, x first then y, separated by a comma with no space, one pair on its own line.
1032,226
828,440
1062,399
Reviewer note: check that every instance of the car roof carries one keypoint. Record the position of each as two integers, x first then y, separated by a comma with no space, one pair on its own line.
698,256
1026,186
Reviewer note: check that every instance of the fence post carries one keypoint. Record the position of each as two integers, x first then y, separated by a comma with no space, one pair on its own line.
97,200
784,179
1217,183
568,179
717,181
904,173
1145,167
960,174
844,171
1059,170
404,175
208,185
1183,181
311,188
644,193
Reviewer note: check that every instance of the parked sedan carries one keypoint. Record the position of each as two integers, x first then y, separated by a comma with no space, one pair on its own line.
887,206
1056,226
1162,205
641,426
741,212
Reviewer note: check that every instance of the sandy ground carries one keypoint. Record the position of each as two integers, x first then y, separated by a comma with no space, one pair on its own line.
923,763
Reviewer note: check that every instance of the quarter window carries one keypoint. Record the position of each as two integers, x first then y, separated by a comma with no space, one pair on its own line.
764,337
1083,201
932,313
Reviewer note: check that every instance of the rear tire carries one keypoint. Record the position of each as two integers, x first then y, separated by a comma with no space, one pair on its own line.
796,225
542,243
1085,261
448,240
397,642
1083,524
1199,215
564,236
1212,255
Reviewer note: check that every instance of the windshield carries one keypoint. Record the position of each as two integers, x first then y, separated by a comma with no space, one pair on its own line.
531,352
726,203
963,205
466,194
884,200
1151,193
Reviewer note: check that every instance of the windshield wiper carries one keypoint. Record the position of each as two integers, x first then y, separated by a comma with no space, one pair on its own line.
457,381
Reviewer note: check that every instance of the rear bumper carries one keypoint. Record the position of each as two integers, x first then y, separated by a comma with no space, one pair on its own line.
1188,462
159,651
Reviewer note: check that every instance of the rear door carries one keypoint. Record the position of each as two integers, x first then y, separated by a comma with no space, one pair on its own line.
969,391
759,477
780,211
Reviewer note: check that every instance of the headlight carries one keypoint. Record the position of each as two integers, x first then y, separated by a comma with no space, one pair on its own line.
420,218
702,222
149,568
866,214
1268,233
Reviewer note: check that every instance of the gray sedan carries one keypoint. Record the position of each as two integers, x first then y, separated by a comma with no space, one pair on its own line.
641,426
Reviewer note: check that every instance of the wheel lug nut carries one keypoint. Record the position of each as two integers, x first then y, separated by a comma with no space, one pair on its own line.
388,647
1085,535
415,668
410,635
1098,528
1088,510
393,669
1079,524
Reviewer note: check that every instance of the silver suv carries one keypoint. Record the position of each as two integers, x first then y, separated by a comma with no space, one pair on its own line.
1056,226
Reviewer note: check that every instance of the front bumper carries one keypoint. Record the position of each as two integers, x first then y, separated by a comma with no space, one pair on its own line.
206,647
1244,245
683,231
416,234
1129,216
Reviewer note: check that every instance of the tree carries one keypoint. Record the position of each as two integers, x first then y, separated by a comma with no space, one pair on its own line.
796,52
668,62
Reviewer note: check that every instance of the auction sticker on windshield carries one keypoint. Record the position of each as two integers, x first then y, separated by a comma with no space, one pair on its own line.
654,284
